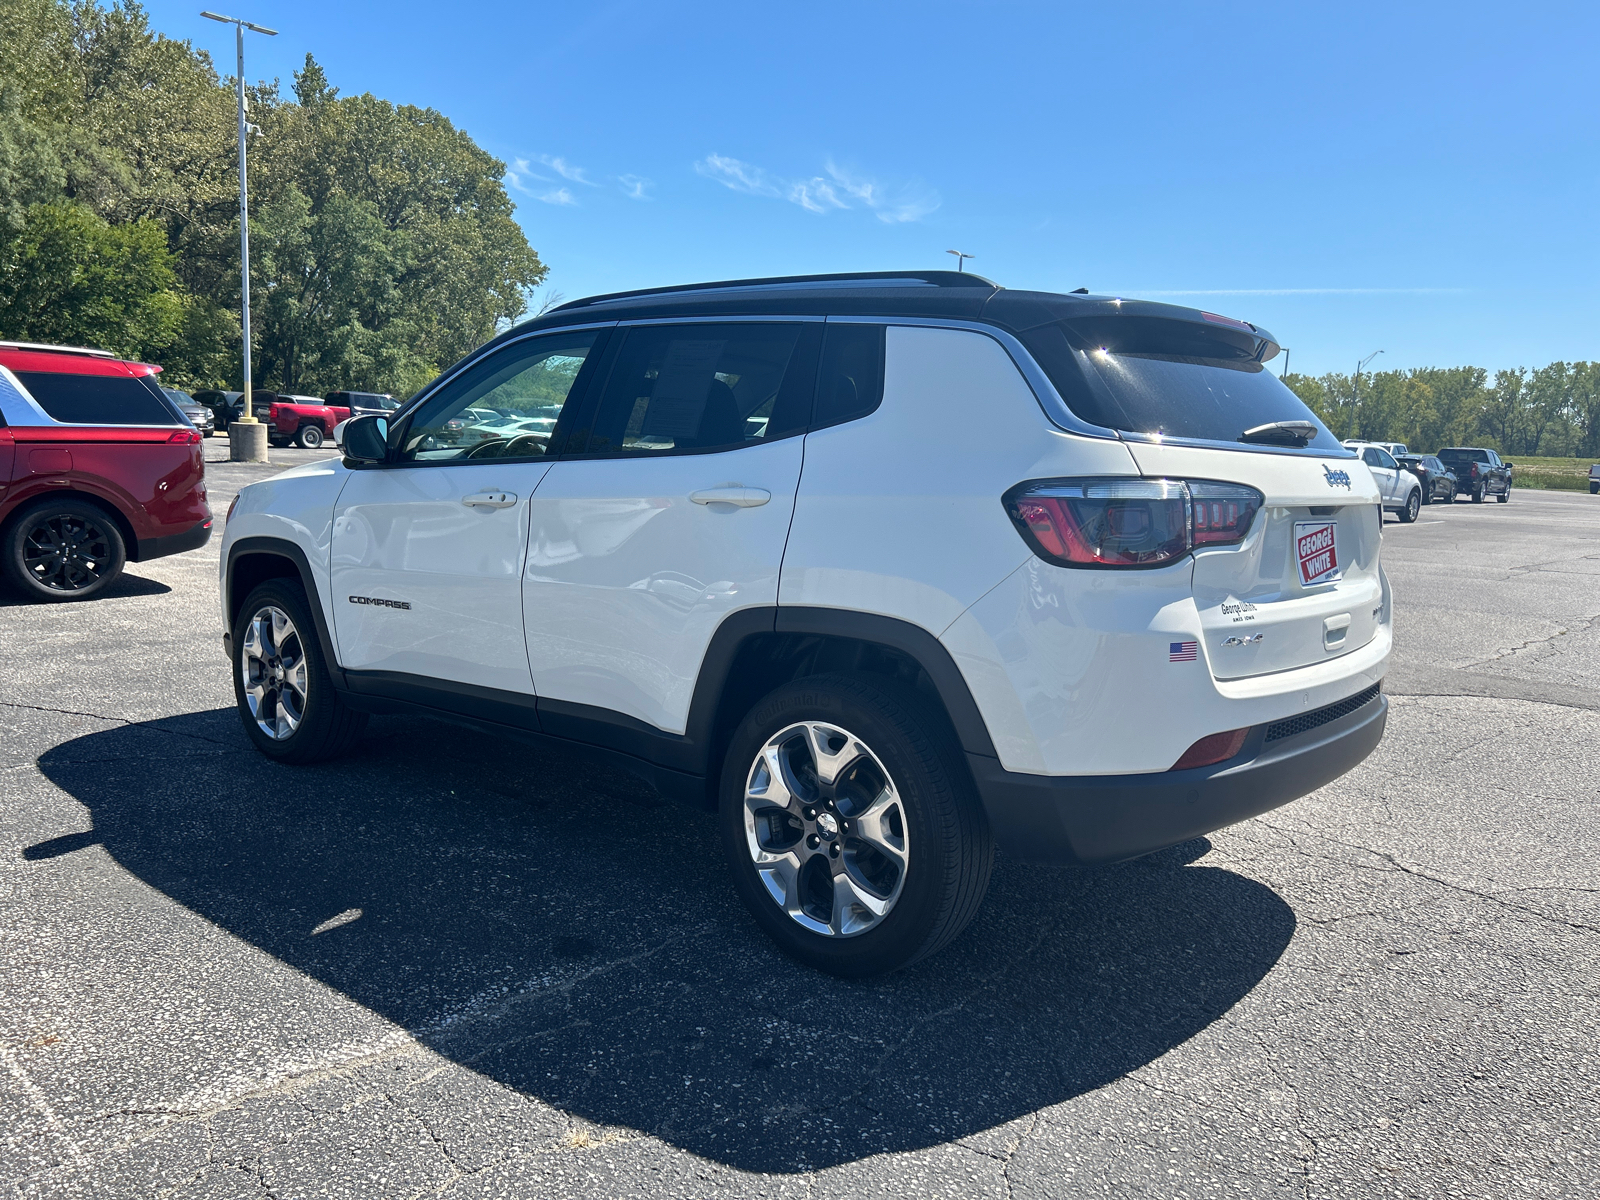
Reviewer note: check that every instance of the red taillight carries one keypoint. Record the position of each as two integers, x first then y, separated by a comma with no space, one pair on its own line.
184,437
1129,522
1213,748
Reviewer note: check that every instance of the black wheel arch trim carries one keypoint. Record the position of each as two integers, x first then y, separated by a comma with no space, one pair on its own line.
279,548
673,761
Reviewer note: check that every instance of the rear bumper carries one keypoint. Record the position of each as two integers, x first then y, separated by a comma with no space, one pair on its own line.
192,538
1107,818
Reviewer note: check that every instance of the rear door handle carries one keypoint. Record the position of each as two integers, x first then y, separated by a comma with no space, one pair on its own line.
740,497
490,500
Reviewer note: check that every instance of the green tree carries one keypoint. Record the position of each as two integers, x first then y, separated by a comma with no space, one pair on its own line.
69,276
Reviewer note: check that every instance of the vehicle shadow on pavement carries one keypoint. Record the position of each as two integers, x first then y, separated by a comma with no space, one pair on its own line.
550,925
128,585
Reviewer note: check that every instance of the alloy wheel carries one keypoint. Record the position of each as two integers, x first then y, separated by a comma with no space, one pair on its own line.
826,829
65,552
272,666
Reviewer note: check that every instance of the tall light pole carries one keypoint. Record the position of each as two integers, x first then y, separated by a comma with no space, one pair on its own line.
1355,389
960,258
1284,374
236,449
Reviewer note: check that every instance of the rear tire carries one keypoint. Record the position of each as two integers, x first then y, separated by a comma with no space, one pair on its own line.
851,826
1477,494
281,683
310,437
62,548
1413,506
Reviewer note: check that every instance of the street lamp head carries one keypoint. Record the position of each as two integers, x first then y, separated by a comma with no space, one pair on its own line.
237,21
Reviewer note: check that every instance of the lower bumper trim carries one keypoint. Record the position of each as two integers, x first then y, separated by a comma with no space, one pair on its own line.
1092,819
193,538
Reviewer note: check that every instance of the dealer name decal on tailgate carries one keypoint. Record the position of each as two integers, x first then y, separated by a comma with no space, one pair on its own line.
1316,549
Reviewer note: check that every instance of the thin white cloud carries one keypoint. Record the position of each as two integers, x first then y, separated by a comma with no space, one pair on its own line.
566,170
839,189
556,196
1423,291
635,187
520,174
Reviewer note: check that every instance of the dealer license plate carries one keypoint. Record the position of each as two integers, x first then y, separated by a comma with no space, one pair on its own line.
1316,549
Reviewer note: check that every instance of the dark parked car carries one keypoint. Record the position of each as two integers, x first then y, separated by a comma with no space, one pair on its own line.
364,404
1479,472
199,415
1594,480
224,406
1438,480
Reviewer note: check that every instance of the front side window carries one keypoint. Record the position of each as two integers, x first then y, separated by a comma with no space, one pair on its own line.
697,387
1375,456
505,407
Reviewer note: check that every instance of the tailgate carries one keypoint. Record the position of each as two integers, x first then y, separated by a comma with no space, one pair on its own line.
1304,586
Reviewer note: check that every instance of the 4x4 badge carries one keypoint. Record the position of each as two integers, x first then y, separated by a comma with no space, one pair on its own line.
1244,641
1336,478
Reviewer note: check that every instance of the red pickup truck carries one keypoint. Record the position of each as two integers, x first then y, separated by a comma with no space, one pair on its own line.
305,420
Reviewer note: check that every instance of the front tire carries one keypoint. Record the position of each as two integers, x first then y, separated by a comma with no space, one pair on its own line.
852,829
281,683
1413,506
61,548
1504,496
310,437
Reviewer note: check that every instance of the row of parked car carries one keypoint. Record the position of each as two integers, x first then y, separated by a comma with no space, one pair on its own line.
1409,481
306,421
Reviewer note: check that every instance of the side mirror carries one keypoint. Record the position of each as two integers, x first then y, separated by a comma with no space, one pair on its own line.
365,440
1508,465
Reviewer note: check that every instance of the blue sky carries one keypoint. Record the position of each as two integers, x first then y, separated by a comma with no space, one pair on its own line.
1417,178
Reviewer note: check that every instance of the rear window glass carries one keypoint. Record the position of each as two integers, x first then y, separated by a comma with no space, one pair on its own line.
99,399
1461,456
1154,376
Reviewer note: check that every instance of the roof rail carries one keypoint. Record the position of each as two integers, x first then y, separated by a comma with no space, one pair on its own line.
57,349
851,279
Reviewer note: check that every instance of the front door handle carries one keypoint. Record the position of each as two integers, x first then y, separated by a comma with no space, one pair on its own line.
489,500
739,497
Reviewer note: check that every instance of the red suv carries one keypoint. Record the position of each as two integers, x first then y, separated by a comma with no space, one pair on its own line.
97,468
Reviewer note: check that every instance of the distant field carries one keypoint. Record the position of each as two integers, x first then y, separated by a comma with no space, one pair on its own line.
1557,474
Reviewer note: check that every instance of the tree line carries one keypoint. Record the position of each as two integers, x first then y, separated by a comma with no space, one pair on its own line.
1554,410
382,240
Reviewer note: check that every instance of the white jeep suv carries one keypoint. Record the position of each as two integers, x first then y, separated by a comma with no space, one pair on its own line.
886,569
1400,489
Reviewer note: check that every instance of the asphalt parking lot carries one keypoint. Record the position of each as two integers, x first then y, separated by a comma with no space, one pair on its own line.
452,965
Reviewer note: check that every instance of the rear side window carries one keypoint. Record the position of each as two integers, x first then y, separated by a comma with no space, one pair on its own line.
1149,375
694,387
850,379
99,399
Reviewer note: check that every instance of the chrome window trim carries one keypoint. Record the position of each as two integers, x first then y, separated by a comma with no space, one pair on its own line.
21,410
1062,416
725,319
1044,392
478,356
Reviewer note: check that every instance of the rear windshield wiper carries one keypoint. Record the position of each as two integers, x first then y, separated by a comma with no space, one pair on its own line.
1280,433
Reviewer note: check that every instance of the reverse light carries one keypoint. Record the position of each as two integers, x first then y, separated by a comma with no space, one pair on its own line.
1129,522
184,437
1213,748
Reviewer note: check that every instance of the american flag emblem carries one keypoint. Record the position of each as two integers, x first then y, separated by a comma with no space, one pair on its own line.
1182,651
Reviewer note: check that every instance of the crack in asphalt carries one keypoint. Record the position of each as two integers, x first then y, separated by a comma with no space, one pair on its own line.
153,726
1395,864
